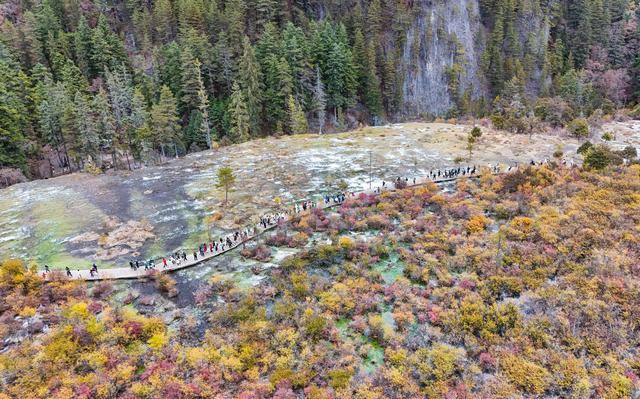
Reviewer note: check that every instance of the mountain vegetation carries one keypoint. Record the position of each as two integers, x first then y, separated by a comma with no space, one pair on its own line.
115,84
514,286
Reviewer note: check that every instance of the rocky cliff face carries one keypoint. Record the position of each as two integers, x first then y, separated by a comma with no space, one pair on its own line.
442,54
444,34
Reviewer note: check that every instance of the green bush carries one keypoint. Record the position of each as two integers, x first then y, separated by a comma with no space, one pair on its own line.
598,157
584,147
476,132
608,136
578,127
498,121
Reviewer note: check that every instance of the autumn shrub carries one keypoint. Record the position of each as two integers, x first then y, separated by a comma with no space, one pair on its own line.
260,253
346,243
477,223
314,327
521,228
528,376
599,157
14,273
579,128
279,239
584,147
165,283
339,379
377,222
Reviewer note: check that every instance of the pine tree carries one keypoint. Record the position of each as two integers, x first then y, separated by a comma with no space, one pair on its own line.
373,96
374,18
164,20
121,96
191,81
340,77
170,68
107,51
89,140
82,44
106,124
267,11
139,125
203,108
252,86
295,51
164,120
31,45
492,58
191,15
297,119
12,113
240,122
235,13
361,59
319,101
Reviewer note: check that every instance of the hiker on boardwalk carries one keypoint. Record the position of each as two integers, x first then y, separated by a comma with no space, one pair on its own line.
195,256
68,271
164,262
46,269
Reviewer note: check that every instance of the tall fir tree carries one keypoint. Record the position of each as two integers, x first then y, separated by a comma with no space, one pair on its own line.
89,139
191,79
297,119
82,47
106,124
373,96
319,101
12,113
164,121
252,86
240,122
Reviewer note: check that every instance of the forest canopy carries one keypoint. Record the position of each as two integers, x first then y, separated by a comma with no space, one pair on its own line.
93,85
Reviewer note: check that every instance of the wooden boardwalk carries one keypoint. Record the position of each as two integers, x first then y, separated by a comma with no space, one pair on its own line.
121,273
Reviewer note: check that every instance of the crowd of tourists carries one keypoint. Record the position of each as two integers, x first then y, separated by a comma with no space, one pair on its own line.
223,244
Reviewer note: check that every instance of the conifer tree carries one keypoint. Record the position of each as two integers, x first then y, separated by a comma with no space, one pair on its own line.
82,45
297,119
106,124
240,123
164,20
164,120
373,97
319,101
140,130
191,81
235,14
252,86
191,15
492,58
374,18
31,45
89,140
12,113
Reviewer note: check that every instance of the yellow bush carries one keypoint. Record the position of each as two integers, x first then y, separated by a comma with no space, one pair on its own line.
346,243
477,224
158,341
527,375
520,228
78,310
27,311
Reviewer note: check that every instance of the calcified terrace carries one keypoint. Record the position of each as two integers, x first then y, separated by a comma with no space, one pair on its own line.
41,221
